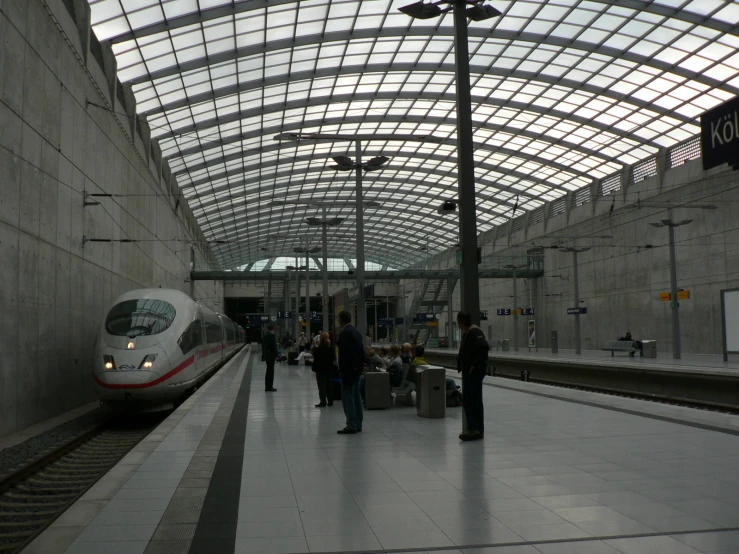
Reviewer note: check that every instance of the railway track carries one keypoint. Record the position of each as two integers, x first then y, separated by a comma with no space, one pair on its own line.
32,497
656,398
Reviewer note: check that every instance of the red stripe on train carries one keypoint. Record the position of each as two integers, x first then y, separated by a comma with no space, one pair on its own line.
161,379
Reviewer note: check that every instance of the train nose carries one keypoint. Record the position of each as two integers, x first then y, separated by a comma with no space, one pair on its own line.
131,367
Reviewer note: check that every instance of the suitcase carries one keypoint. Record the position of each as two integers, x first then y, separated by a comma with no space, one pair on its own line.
377,390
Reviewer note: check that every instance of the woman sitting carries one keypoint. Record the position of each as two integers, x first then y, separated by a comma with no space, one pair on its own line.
395,367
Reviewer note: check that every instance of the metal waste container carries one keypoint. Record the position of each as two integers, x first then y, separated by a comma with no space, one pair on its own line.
555,342
649,348
431,391
506,344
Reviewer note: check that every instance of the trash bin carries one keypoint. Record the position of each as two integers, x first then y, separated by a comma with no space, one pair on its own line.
377,390
431,392
649,348
506,344
555,342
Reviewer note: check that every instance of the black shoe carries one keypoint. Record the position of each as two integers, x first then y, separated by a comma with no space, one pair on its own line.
321,405
346,431
471,436
270,390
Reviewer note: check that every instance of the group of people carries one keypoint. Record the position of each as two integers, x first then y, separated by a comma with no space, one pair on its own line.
356,358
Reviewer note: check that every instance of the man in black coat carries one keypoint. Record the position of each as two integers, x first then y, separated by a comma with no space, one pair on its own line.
472,363
269,353
351,364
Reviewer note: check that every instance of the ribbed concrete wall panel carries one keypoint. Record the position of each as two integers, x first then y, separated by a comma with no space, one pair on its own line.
55,146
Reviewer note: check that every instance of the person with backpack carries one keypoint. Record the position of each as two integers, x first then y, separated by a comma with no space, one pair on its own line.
472,363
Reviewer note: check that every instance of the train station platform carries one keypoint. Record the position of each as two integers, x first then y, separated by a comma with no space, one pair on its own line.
699,379
236,469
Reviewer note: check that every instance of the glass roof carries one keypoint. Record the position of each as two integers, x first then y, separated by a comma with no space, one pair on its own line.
564,92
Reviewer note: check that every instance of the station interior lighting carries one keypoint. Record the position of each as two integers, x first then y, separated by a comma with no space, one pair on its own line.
345,163
476,12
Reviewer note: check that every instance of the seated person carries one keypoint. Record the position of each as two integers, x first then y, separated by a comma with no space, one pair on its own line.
395,367
375,362
406,354
637,343
451,384
385,355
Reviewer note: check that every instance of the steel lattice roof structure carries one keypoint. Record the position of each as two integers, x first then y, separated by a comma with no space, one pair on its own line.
564,92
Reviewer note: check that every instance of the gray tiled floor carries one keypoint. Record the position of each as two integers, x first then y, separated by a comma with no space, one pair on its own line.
546,471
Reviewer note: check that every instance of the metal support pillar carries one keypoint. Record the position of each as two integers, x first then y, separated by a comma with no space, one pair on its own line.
515,311
674,303
361,306
324,300
578,342
286,303
450,311
296,313
469,282
374,330
307,294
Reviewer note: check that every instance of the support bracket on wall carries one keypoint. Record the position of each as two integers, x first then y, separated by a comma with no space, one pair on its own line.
86,201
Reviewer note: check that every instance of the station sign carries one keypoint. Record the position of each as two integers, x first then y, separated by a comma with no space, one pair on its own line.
720,135
575,311
258,319
484,315
681,295
511,311
316,316
425,317
284,315
388,321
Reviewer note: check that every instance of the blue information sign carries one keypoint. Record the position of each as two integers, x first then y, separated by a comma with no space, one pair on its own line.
426,317
284,315
504,311
527,311
574,311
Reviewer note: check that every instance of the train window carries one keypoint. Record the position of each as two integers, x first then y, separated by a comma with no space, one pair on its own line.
192,337
213,331
133,318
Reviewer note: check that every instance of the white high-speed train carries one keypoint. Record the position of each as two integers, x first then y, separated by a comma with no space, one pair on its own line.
156,346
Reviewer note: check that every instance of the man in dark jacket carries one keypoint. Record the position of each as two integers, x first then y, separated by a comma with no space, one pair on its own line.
269,353
351,364
472,363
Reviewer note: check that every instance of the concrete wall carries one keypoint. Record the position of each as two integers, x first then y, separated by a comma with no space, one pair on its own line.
620,280
54,147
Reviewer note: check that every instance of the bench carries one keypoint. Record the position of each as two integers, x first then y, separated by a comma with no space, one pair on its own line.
620,346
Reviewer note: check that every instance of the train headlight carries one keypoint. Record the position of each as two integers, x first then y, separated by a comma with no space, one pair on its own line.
148,361
108,362
131,345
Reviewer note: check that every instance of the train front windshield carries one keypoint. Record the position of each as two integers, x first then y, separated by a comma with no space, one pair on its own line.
134,318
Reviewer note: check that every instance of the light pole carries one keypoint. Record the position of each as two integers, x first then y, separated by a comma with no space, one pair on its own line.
476,11
575,251
324,223
670,224
308,251
674,304
515,304
344,163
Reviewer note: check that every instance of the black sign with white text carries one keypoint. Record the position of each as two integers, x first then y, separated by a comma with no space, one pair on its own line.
573,311
720,135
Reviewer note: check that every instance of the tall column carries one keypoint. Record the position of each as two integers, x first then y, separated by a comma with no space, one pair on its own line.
515,311
469,282
578,343
307,292
286,302
326,315
296,313
361,306
674,304
450,311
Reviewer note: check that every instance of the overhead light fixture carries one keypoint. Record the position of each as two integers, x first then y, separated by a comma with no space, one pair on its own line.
447,207
421,10
331,222
343,163
375,163
481,12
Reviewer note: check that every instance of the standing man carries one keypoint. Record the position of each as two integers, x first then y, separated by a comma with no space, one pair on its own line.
269,353
472,363
351,364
